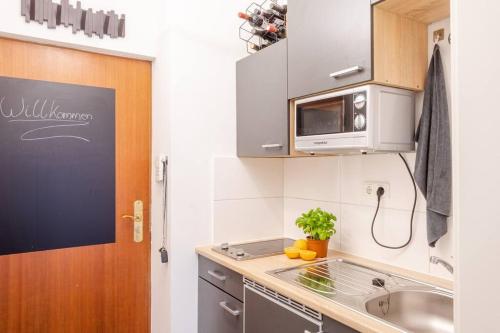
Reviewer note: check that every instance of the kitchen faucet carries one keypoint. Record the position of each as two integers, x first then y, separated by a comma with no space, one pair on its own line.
436,260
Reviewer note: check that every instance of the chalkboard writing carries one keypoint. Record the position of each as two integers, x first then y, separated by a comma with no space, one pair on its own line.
57,165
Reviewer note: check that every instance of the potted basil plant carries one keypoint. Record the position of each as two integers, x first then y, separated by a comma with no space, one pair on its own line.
319,225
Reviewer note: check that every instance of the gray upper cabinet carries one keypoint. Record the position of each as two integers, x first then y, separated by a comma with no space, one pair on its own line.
329,44
262,103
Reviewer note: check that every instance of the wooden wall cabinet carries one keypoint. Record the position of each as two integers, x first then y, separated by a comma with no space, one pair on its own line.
400,40
399,50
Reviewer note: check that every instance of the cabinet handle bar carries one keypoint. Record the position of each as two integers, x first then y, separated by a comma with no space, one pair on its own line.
346,71
216,275
273,145
235,313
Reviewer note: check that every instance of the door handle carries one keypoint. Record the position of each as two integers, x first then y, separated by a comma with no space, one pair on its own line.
346,71
138,219
218,276
235,313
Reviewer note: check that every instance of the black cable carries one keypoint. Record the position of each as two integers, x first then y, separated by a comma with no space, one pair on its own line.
380,193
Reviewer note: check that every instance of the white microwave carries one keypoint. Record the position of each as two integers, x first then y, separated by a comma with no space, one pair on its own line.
369,118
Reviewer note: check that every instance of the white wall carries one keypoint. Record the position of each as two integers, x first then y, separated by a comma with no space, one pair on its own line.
476,71
248,199
203,47
145,39
195,44
142,21
160,273
337,184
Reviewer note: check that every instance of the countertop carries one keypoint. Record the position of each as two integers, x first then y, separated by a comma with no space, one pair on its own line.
256,269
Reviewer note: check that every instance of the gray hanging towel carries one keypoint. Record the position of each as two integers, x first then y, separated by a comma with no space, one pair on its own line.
433,161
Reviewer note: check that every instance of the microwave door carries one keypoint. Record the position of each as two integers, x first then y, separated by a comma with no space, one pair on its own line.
321,117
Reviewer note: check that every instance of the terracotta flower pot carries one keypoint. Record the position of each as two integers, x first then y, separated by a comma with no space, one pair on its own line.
318,246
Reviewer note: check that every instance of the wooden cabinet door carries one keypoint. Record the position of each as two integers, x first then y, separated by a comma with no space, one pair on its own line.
329,45
102,288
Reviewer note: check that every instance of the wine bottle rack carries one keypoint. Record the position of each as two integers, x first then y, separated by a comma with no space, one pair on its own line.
246,30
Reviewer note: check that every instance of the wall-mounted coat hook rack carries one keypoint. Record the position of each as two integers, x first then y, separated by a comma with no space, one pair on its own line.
91,22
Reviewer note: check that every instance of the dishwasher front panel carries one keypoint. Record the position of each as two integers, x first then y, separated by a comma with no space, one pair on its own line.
264,314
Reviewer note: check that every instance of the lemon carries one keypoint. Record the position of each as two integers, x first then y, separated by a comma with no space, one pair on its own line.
292,252
300,244
307,255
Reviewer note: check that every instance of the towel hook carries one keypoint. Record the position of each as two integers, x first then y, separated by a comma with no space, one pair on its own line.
438,36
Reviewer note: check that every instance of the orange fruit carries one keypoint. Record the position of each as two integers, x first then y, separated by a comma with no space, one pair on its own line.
307,255
300,244
292,252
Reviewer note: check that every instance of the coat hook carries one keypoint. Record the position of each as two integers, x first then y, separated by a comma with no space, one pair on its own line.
438,35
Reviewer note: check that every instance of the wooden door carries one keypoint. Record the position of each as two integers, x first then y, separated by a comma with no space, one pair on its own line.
103,288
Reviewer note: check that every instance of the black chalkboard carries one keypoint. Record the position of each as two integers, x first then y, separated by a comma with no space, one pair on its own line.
57,165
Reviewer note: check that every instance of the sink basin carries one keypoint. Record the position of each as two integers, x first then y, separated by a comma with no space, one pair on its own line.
408,305
415,310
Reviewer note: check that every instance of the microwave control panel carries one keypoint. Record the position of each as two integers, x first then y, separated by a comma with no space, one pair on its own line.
359,111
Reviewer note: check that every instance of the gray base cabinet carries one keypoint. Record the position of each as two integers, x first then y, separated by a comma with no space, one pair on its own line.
262,103
333,326
218,312
329,45
226,306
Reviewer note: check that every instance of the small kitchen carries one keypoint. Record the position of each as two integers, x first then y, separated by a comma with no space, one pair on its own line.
321,223
249,166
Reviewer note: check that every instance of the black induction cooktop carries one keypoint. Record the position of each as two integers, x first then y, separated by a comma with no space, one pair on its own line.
246,251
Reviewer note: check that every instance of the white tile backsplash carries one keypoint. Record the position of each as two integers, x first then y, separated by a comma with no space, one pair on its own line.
314,178
247,219
247,178
295,207
388,168
248,199
355,210
262,198
392,229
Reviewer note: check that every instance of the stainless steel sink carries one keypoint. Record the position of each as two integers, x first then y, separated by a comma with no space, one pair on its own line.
415,310
405,304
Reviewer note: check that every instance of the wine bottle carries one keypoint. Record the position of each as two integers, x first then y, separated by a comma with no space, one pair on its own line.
270,15
282,9
266,34
256,47
254,20
281,31
272,28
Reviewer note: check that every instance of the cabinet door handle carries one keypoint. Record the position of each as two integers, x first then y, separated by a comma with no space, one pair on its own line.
235,313
346,71
272,145
216,275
